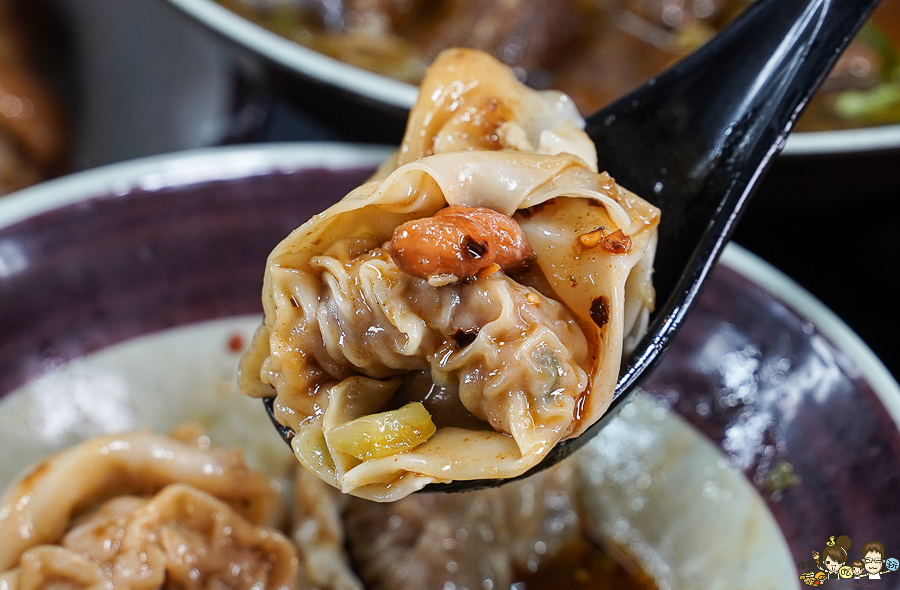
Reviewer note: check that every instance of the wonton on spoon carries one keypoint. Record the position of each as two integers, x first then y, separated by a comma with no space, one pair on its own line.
466,309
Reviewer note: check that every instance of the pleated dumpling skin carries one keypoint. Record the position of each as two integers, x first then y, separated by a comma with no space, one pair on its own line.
140,511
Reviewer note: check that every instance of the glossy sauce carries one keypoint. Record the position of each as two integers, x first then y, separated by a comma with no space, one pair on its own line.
582,565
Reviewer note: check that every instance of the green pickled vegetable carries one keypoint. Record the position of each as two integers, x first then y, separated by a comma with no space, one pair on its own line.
381,435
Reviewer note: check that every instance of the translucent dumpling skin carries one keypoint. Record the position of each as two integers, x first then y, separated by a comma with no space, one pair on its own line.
466,309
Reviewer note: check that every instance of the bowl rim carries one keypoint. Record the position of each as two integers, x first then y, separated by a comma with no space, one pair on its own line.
185,167
402,95
296,57
232,162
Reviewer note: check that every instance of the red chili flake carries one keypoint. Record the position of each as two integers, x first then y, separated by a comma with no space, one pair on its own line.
236,343
600,311
474,248
617,242
530,211
465,338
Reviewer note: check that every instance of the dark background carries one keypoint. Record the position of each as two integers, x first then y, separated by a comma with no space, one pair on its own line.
833,225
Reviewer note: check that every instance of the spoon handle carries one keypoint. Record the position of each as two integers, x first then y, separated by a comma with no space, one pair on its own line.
712,124
695,140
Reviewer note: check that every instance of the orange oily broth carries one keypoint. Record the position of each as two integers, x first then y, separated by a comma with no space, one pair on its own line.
582,565
531,534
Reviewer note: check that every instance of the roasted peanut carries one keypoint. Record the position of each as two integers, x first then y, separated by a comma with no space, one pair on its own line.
459,242
615,243
592,239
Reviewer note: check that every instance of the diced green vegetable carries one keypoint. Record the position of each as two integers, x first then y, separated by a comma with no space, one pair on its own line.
381,435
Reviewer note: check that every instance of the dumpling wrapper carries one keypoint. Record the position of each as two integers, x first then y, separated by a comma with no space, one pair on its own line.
129,510
565,198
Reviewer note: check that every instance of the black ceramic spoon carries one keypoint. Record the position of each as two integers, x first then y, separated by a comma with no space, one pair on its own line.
694,142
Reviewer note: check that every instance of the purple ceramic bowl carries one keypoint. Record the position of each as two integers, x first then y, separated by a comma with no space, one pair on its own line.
788,394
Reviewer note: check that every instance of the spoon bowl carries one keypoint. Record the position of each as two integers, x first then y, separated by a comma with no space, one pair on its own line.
695,141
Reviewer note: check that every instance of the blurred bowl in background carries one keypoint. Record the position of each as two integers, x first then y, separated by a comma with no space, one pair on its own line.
137,80
127,293
335,90
35,134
